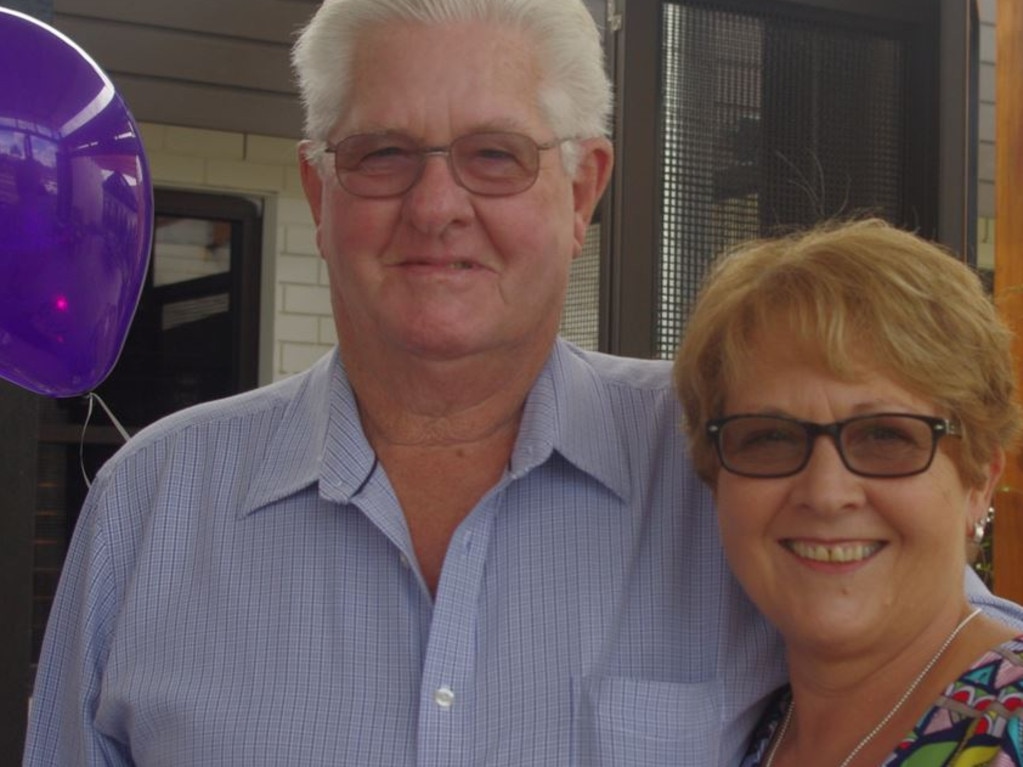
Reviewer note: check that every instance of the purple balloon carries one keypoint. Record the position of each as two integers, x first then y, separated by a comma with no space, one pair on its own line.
76,213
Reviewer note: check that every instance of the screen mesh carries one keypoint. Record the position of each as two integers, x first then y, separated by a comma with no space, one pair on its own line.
580,317
767,122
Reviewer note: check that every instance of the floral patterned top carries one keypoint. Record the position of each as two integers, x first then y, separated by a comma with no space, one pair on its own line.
977,722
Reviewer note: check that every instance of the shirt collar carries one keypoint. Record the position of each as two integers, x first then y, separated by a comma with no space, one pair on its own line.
293,450
569,410
566,411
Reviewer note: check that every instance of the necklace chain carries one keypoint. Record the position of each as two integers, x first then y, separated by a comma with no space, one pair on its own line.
783,729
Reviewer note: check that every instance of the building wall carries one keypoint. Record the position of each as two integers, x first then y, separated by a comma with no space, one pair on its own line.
296,319
220,65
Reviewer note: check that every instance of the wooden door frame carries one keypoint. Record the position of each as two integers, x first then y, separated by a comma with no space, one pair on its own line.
1008,537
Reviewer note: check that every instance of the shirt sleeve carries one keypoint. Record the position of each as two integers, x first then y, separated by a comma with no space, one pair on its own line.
996,607
68,683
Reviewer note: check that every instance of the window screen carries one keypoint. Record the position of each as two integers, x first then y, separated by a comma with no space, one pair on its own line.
580,317
769,121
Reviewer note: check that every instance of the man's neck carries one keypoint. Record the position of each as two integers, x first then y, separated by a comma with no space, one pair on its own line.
443,432
418,402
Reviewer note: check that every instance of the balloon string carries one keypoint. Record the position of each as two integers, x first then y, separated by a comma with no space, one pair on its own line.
92,398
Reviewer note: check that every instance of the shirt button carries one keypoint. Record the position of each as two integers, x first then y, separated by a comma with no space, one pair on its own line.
405,562
444,697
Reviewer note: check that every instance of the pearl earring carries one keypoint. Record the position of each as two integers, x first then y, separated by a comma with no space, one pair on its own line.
980,526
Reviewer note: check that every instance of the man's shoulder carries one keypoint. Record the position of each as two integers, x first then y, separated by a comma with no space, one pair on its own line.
235,420
628,372
633,396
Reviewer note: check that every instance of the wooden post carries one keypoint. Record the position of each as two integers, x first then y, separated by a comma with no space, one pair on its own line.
19,418
1008,537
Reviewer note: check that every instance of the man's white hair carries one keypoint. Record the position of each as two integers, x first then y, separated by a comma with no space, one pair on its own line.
574,94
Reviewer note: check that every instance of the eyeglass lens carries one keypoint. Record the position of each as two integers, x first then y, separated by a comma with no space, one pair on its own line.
883,445
387,164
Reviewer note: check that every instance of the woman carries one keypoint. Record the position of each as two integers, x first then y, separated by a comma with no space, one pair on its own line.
849,397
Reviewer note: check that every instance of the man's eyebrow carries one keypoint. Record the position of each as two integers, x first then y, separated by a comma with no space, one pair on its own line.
375,130
495,125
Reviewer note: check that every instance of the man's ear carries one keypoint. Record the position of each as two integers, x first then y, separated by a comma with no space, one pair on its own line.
312,182
591,178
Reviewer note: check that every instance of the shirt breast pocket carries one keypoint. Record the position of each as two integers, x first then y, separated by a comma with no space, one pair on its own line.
641,723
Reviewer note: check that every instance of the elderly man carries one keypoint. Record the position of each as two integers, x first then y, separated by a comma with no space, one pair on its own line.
457,541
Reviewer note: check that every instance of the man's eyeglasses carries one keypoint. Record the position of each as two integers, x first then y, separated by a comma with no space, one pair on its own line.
876,445
389,164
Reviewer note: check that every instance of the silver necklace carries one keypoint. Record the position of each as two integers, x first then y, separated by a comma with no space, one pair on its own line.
780,735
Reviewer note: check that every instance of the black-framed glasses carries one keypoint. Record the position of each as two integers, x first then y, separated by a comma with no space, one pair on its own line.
494,164
874,445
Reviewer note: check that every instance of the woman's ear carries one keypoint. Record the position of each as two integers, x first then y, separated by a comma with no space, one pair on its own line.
982,497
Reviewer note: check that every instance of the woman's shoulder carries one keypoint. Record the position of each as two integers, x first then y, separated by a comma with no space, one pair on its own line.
996,676
977,721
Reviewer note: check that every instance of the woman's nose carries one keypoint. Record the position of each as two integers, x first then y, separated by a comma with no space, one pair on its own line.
826,484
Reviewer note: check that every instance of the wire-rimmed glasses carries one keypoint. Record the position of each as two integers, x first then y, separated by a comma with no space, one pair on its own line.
493,164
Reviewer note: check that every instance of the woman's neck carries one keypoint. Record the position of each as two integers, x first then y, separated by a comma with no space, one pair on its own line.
837,703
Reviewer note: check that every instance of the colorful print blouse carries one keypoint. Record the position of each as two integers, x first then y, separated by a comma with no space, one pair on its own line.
977,722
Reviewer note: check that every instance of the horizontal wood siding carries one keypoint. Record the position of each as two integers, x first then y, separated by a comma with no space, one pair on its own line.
170,54
273,21
216,64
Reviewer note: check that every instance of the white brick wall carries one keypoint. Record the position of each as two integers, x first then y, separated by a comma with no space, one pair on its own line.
299,326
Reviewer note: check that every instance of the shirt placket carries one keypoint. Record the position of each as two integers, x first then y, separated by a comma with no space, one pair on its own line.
448,697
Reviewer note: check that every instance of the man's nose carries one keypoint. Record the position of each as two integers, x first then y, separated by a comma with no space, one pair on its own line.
436,199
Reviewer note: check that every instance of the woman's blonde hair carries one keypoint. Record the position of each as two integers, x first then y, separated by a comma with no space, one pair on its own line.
922,317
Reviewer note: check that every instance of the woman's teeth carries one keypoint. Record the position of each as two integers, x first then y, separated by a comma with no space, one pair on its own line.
839,552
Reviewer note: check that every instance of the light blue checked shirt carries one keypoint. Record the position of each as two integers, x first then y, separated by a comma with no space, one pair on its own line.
241,590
